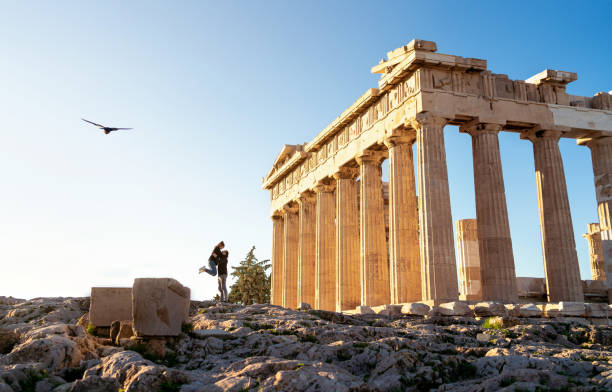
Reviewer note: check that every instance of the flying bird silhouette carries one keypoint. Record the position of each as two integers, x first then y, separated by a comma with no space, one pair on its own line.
106,130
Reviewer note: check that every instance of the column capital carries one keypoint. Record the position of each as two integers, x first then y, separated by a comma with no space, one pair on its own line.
290,208
324,188
278,214
400,137
537,134
591,142
371,156
306,197
475,128
427,119
345,172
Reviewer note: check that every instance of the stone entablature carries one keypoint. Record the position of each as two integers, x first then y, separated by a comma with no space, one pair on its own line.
419,93
415,79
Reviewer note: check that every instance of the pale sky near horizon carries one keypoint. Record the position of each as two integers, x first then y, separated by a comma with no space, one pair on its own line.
213,90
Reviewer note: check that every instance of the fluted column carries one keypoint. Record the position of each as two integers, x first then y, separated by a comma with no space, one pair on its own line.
469,259
494,240
559,248
404,258
347,240
325,264
438,265
374,269
307,246
290,255
601,155
593,236
278,239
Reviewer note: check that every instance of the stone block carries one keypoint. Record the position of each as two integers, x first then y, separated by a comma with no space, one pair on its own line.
455,308
388,310
597,310
415,308
362,309
484,337
514,310
530,310
109,304
565,309
488,309
304,306
160,306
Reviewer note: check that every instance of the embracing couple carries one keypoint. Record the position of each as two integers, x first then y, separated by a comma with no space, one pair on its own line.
218,267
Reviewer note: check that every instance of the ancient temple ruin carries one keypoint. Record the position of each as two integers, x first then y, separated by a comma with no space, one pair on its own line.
337,245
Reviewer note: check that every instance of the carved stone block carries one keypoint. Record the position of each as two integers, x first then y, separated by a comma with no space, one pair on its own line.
109,304
161,305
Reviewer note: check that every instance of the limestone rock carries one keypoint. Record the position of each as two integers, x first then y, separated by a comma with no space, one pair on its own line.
95,384
597,310
160,306
8,339
364,310
53,352
206,333
416,308
565,309
530,310
484,337
456,308
304,306
388,310
121,330
488,309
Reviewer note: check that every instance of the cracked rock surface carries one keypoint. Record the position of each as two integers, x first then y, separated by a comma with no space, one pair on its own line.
269,348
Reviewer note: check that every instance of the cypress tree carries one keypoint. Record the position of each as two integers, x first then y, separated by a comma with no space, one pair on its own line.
252,281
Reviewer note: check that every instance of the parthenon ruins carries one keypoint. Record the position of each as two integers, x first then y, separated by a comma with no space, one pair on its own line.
342,238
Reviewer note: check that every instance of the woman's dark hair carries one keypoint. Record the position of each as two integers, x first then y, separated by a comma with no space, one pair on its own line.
222,243
225,252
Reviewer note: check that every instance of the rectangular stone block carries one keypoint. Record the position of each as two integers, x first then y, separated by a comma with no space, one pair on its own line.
160,306
565,309
108,304
597,310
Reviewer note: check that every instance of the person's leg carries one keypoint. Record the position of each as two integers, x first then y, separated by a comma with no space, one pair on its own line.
220,286
213,267
224,286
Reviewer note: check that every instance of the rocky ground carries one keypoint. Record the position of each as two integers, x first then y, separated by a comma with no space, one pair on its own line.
268,348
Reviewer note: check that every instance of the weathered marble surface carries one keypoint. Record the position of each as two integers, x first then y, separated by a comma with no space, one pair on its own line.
269,348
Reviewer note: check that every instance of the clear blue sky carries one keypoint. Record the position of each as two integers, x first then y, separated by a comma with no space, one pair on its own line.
213,90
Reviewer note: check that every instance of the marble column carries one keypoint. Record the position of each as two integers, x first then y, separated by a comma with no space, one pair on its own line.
325,263
348,284
404,258
494,240
469,260
374,268
601,154
438,265
290,256
593,236
559,248
307,246
278,237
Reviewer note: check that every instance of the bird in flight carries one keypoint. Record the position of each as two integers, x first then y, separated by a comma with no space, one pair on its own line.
106,130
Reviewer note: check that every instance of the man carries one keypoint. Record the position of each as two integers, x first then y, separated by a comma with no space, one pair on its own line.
213,260
222,278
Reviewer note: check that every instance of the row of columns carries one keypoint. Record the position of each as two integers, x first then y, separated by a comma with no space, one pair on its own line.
332,249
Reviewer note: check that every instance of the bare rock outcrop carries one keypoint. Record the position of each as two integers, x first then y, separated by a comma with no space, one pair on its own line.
229,347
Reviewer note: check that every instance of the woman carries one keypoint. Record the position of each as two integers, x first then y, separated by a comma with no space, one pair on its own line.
213,260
